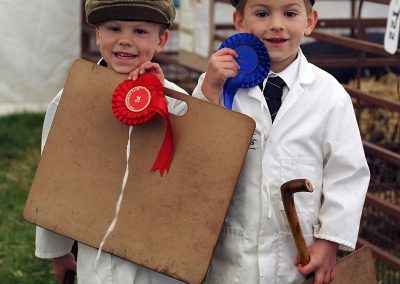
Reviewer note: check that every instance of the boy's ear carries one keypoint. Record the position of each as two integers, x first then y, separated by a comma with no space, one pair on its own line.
162,41
312,19
238,21
97,36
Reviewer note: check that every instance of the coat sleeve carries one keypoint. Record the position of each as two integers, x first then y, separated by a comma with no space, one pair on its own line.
345,178
197,93
175,106
49,244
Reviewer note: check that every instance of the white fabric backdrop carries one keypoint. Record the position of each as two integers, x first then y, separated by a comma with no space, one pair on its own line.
39,41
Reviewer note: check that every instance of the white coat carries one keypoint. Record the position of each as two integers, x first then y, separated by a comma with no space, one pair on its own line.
111,269
314,136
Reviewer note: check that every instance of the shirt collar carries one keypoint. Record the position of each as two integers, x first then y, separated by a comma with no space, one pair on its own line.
290,73
102,62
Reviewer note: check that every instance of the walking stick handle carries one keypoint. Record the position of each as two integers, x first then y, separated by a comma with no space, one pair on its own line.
287,191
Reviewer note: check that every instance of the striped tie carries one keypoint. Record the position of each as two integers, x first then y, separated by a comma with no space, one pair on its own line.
273,94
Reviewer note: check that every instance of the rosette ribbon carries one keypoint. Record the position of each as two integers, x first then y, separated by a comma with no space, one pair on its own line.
253,60
137,102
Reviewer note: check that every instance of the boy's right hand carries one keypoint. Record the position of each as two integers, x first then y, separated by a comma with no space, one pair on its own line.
62,264
221,66
150,68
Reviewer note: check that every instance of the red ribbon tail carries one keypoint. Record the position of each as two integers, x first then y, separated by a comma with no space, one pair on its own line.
164,157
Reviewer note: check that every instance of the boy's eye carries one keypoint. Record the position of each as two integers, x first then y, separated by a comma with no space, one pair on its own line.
113,29
261,14
139,31
291,14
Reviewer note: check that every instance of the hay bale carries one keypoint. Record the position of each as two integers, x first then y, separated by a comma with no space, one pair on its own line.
377,124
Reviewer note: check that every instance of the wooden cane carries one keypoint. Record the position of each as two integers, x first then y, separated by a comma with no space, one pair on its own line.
287,191
69,277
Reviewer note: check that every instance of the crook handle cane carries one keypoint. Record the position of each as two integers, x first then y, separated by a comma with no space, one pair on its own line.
69,276
287,191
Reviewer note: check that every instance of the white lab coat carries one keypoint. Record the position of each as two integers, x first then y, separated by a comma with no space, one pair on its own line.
111,269
314,136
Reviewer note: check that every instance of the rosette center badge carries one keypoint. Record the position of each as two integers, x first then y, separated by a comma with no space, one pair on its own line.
138,99
247,59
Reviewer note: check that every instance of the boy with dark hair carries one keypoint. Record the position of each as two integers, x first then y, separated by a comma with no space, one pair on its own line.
305,128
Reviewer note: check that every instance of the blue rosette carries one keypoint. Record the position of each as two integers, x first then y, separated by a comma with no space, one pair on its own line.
253,60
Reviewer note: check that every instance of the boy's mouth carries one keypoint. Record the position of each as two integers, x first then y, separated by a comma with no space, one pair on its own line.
276,40
123,55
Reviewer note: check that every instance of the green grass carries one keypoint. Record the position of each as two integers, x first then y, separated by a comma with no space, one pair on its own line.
19,155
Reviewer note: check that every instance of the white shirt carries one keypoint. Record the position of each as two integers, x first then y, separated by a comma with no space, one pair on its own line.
288,75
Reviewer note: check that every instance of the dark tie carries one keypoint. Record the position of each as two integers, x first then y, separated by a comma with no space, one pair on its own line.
273,94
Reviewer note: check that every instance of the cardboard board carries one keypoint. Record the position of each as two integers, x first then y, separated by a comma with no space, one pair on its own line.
169,224
356,268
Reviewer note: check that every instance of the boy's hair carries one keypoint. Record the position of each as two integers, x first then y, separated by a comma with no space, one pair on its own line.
239,5
156,11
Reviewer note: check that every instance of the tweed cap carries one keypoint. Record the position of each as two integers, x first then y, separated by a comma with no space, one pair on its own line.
235,2
157,11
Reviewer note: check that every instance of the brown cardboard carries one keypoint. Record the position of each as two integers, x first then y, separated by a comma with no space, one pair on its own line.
356,268
169,224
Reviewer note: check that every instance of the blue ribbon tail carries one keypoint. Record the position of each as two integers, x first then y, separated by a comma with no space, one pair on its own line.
229,93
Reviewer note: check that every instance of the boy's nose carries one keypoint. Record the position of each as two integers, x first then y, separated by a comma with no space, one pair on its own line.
275,23
125,40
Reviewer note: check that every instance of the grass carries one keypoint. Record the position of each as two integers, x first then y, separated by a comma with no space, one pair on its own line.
19,155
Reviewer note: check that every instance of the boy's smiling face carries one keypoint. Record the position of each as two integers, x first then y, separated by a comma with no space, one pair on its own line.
281,26
125,45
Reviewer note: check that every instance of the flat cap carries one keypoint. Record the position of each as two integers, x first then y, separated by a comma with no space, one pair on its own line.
157,11
235,2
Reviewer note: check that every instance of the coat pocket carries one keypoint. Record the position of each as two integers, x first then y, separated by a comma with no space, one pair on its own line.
286,270
305,202
300,168
227,259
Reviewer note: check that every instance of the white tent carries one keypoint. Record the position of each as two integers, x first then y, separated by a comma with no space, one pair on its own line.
39,41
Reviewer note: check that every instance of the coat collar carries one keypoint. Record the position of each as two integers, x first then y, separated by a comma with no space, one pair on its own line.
305,76
306,73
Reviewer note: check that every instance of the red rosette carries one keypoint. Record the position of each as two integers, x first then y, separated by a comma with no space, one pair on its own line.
137,102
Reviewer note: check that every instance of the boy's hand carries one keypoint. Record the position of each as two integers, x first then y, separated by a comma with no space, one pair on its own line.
221,66
322,261
147,67
62,264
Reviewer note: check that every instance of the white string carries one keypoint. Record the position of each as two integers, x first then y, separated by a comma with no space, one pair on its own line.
117,207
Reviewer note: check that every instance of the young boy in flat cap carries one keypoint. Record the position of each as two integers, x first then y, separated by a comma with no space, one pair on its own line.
128,34
313,135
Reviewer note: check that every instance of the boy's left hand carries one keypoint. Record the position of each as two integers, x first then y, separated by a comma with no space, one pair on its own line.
147,67
322,261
